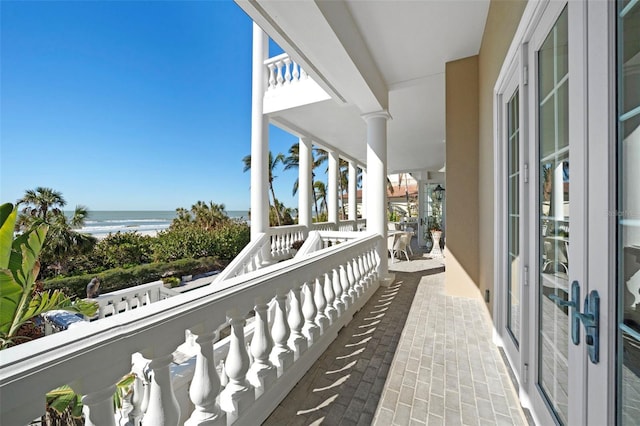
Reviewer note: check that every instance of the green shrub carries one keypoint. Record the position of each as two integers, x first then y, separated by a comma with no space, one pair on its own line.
123,249
225,242
119,278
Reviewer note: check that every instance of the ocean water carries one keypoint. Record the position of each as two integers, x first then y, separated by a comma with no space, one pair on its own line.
101,223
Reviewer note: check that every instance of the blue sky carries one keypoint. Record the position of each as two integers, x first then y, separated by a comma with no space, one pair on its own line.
142,105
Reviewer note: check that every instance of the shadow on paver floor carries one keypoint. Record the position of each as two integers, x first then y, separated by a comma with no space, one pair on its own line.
345,385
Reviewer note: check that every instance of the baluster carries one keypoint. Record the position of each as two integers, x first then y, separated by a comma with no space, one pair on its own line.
366,281
98,407
205,385
330,310
279,77
287,72
224,379
282,355
357,276
97,389
296,73
272,76
262,373
344,282
163,406
368,266
276,245
296,322
141,388
353,292
136,400
238,394
310,329
337,289
376,263
321,305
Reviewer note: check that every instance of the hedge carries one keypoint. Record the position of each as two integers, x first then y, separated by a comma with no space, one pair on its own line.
119,278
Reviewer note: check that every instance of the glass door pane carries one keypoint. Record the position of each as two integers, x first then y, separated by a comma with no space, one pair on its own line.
553,214
513,206
628,214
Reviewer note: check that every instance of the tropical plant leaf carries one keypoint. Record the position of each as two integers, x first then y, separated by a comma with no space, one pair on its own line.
26,249
64,398
10,293
8,216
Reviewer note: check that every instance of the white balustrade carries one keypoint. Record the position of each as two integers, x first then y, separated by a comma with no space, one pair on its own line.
283,71
283,237
131,298
94,356
324,226
254,256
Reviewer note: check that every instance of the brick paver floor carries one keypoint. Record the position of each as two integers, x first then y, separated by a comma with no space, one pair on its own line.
412,355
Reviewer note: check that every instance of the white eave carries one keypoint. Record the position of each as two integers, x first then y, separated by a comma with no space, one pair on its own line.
371,56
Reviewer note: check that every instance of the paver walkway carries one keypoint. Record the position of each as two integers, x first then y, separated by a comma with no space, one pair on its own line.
439,368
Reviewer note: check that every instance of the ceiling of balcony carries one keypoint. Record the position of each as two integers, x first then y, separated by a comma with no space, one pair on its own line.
373,55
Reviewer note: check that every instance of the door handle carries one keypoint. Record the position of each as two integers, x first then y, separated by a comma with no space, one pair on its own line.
574,306
590,318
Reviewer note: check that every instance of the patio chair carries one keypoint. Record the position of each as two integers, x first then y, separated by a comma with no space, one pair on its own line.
400,246
408,235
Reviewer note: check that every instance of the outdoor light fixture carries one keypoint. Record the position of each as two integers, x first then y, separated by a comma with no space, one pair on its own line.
438,193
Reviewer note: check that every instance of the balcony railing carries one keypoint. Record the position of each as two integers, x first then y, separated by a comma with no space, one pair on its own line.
283,71
289,86
131,298
313,298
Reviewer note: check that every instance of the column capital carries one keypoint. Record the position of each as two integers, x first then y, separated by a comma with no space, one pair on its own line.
377,114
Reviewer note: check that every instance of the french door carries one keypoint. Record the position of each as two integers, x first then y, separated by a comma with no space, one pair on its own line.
557,261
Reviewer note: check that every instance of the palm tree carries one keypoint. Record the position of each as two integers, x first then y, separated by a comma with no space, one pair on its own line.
44,205
38,202
320,191
293,162
273,163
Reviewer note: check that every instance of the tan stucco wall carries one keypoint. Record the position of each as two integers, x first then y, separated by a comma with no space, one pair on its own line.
462,127
469,126
502,22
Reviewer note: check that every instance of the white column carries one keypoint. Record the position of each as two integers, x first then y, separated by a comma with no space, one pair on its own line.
363,207
259,137
377,182
353,187
305,199
332,192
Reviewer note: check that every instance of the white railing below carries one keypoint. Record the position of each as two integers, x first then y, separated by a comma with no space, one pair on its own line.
282,239
313,298
131,298
252,257
324,226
